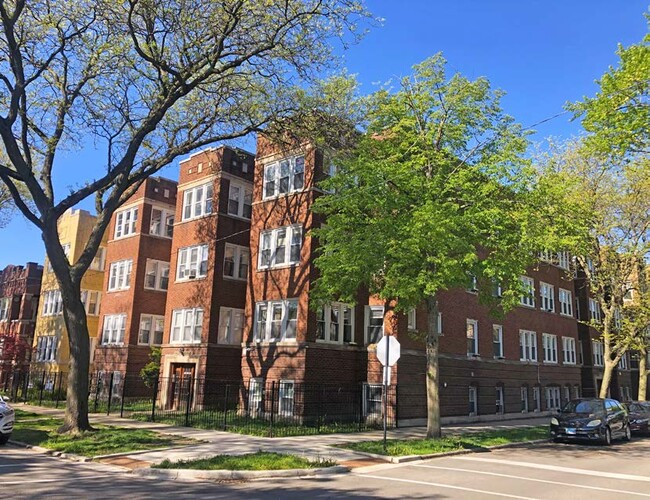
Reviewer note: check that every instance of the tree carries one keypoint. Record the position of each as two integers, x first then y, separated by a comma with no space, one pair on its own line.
436,190
146,81
636,326
151,370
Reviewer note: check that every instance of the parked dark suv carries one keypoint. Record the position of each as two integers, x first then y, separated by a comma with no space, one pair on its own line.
591,419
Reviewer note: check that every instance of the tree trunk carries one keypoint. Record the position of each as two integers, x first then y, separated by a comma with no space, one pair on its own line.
432,371
607,377
643,375
74,313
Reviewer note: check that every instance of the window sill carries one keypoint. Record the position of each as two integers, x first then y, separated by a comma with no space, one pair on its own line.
474,356
232,278
273,342
527,306
236,216
284,195
164,290
566,315
116,290
190,280
125,237
192,219
500,357
281,266
180,344
159,236
334,342
111,345
550,362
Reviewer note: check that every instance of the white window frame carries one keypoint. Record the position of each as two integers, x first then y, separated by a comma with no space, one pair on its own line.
497,340
564,260
187,326
120,275
598,349
472,400
241,194
528,299
265,320
114,329
500,407
255,395
156,328
471,331
99,260
240,261
294,168
126,223
569,350
549,346
286,398
553,398
193,209
372,313
372,399
231,326
159,270
594,310
411,319
566,302
537,398
47,347
52,303
87,297
527,345
547,297
624,363
5,303
192,262
325,331
523,396
163,227
268,256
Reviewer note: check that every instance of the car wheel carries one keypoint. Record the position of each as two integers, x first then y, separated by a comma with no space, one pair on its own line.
607,437
628,433
4,438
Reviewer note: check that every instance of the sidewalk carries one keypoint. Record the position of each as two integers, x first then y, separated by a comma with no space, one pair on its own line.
313,447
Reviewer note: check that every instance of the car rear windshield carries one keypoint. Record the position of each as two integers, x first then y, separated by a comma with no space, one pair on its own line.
583,407
639,407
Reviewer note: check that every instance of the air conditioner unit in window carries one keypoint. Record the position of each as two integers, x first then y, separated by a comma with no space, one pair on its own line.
191,275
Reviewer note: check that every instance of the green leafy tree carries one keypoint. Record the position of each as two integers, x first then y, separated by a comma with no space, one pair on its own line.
437,189
146,81
151,370
636,325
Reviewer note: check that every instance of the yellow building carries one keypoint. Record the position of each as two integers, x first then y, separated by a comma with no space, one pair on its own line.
51,348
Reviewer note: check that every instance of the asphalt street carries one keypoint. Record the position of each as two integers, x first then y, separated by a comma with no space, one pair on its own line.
549,471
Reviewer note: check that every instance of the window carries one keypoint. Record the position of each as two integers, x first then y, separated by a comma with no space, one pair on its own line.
255,394
411,319
5,303
335,323
374,324
91,300
276,320
52,303
569,350
528,298
553,401
537,398
500,409
286,398
240,200
231,325
472,337
624,363
46,348
151,329
280,247
566,302
157,275
235,262
472,286
594,311
125,222
120,275
563,260
372,399
549,344
97,263
284,177
567,393
616,320
187,326
576,391
440,324
598,349
523,391
547,295
527,345
162,222
473,401
197,201
114,329
192,262
497,341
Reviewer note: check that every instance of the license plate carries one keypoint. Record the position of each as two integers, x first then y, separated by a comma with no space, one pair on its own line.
570,430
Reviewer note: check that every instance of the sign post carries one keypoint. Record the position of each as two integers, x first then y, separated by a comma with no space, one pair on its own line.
388,352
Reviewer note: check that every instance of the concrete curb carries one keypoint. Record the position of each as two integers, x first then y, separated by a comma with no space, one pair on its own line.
234,475
141,452
53,453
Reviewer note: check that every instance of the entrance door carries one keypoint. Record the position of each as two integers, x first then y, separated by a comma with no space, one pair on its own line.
181,385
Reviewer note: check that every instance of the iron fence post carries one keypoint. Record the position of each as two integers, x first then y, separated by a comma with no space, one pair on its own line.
110,394
40,392
396,412
153,399
225,407
272,408
122,402
187,402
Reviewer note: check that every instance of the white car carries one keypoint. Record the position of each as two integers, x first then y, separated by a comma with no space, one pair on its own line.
7,417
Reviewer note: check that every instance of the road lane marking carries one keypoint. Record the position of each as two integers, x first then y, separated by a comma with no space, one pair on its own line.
449,486
557,468
532,479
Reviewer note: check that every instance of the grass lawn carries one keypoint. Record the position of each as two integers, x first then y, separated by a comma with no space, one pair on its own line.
31,429
401,447
261,460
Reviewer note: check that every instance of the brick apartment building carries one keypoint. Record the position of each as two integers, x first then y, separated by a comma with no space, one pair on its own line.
136,280
209,269
20,289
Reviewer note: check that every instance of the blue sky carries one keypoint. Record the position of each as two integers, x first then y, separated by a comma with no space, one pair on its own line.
542,53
